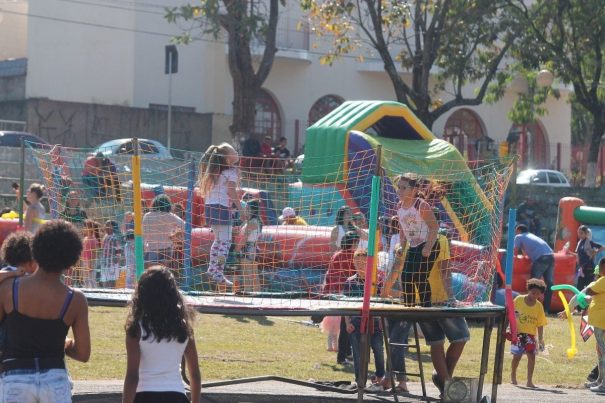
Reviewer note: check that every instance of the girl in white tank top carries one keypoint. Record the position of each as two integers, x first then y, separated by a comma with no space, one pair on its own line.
419,227
154,348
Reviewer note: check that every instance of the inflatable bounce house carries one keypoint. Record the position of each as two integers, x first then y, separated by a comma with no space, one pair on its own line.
344,152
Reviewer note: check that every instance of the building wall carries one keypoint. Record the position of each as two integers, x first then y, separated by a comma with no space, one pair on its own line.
88,125
108,54
13,29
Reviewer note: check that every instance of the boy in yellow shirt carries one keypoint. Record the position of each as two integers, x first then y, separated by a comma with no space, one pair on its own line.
530,320
596,318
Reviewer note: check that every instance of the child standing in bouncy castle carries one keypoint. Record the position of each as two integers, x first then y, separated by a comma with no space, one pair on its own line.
530,320
419,228
218,180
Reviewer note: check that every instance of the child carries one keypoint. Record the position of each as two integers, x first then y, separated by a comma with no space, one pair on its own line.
341,267
530,319
38,311
111,254
418,227
586,250
355,287
92,244
16,253
218,182
35,213
158,334
596,318
331,326
251,230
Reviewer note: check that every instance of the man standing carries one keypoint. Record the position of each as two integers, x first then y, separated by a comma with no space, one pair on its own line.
541,256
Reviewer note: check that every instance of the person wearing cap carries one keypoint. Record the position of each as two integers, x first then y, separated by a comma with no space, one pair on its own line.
289,217
90,173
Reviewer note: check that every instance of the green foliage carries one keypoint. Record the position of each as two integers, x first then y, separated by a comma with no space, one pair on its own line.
444,44
569,35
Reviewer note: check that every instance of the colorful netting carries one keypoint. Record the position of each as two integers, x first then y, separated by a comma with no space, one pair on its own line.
287,263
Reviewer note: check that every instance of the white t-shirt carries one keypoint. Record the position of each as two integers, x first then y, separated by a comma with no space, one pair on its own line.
159,366
218,194
415,229
157,228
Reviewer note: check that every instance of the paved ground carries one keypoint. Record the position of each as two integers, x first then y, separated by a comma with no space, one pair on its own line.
281,392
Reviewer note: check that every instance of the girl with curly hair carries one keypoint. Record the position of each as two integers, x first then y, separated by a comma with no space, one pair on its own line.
158,333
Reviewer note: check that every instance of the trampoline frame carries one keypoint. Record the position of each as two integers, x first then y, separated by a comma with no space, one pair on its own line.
492,316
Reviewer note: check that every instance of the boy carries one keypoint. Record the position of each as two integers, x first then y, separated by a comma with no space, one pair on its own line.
596,318
530,320
354,287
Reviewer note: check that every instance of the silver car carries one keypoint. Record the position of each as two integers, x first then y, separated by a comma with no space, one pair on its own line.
542,177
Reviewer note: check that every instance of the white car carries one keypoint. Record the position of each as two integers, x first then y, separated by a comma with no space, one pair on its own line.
542,177
148,148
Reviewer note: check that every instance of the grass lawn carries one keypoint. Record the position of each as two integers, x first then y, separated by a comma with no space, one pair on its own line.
237,347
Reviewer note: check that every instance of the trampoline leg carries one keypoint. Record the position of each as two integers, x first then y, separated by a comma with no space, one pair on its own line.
499,359
391,374
364,360
487,334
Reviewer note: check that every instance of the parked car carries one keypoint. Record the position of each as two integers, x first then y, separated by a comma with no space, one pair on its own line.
13,139
150,148
542,177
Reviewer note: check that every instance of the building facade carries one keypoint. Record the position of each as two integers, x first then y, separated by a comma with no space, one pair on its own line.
95,71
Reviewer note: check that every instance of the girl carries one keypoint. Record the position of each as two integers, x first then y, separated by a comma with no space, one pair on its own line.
158,334
586,250
218,182
35,213
251,230
111,254
92,244
38,311
344,223
419,227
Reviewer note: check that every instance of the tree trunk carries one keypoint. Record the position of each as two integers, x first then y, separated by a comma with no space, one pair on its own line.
244,107
593,151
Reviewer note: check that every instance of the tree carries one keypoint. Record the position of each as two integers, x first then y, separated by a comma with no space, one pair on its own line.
248,23
445,44
569,36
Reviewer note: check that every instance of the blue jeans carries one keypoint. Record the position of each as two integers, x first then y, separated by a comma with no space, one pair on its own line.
399,331
377,345
544,267
31,386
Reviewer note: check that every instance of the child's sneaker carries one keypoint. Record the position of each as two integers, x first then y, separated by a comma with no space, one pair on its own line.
600,388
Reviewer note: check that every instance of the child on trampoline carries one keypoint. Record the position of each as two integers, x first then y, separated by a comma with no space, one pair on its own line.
251,229
92,244
218,181
419,228
530,320
158,334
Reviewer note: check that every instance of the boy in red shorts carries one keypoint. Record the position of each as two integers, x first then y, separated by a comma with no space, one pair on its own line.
530,320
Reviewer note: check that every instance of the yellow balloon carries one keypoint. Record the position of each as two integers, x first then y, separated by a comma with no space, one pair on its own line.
572,350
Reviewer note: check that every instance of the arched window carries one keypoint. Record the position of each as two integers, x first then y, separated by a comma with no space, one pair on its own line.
532,145
463,129
323,106
267,121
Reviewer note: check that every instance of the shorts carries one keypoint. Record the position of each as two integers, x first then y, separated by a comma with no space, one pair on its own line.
110,273
217,214
162,256
29,385
526,343
455,329
250,251
160,397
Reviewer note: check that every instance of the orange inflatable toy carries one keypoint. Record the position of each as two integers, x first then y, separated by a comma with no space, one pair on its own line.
567,224
279,246
565,273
